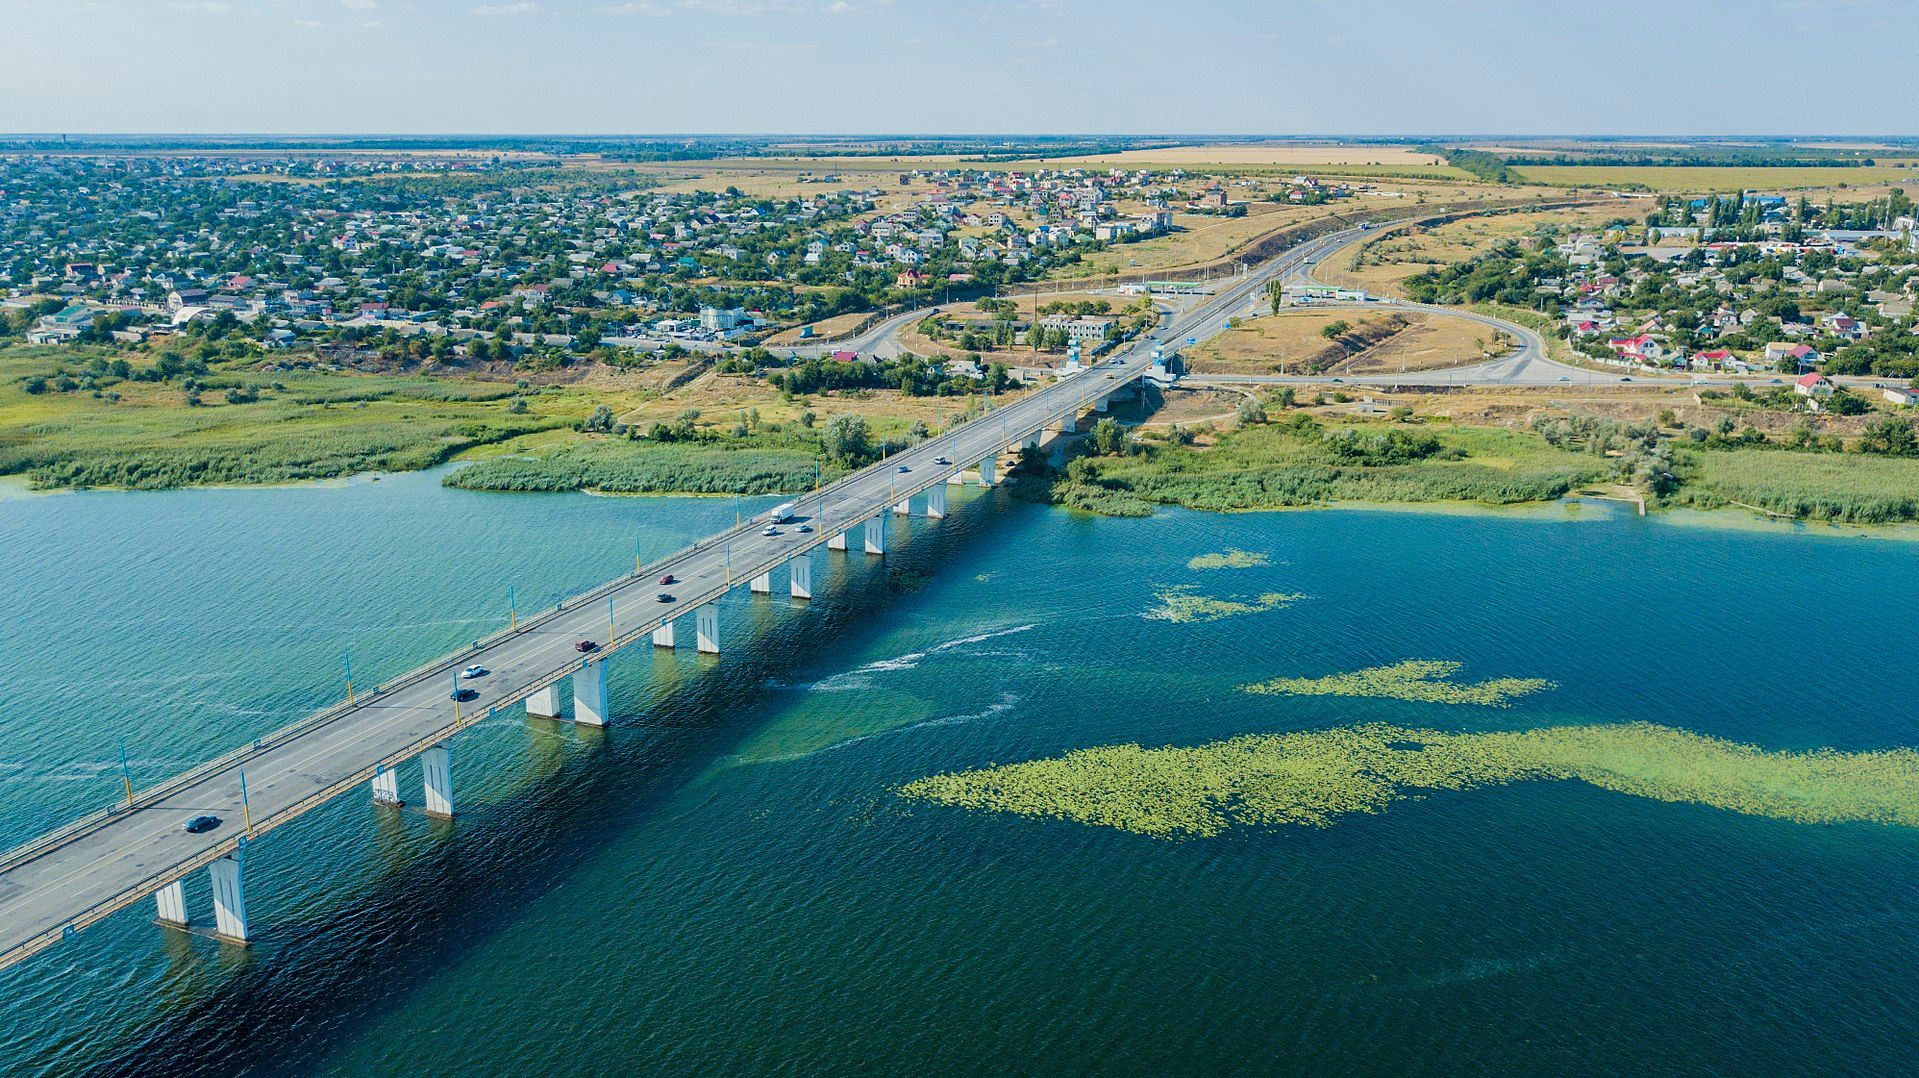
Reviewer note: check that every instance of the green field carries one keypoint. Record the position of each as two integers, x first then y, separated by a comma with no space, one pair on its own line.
620,466
1709,178
1299,463
1846,487
306,425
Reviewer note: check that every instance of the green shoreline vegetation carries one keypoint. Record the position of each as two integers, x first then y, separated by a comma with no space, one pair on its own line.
1300,461
1317,778
1424,680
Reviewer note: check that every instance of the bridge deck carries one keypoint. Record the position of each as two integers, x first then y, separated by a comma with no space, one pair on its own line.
81,873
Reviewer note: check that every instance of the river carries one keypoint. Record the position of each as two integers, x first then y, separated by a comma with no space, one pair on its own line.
727,880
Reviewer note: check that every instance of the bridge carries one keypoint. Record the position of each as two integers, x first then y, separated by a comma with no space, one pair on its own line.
68,879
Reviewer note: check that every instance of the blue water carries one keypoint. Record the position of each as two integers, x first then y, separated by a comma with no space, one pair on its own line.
724,881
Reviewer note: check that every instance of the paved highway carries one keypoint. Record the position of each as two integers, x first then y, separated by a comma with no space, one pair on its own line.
79,874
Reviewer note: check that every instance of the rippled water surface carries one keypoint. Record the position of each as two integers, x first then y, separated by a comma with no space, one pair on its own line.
725,882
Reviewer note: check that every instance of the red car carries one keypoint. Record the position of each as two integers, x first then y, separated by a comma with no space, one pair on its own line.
586,645
667,579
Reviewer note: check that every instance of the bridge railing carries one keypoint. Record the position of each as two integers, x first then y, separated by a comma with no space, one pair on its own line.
148,796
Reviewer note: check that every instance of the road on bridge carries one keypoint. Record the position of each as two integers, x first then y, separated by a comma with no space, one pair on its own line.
73,877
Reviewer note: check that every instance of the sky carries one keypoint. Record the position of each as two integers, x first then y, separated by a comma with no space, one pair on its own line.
1194,67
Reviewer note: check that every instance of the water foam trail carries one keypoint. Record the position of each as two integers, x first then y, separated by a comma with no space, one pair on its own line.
859,678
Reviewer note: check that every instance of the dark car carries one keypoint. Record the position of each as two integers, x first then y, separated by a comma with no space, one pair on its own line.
464,693
586,645
663,597
200,824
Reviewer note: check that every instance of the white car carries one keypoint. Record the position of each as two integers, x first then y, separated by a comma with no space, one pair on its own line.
476,670
770,530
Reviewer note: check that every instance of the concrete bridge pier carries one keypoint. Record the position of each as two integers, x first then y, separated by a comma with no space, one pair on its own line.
706,627
904,507
876,535
172,900
229,900
663,636
436,766
802,586
545,703
935,502
986,468
386,781
1099,404
762,584
1067,424
589,694
837,542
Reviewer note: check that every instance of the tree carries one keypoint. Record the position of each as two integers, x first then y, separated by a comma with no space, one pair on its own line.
1109,438
1332,331
1250,412
1891,437
600,422
847,441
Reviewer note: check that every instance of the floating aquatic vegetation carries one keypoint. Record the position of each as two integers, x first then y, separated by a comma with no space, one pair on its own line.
1230,558
1181,603
1425,680
1315,778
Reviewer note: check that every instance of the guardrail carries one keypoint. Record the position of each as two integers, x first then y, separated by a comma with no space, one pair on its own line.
59,837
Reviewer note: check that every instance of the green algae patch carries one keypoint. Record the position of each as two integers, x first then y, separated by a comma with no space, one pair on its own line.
1230,559
1424,680
1317,778
1182,603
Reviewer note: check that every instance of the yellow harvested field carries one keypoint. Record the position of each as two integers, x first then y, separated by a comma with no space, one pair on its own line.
823,330
1689,178
1254,153
720,398
1291,342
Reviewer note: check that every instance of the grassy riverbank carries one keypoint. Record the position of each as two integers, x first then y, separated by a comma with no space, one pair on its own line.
1302,462
622,466
309,429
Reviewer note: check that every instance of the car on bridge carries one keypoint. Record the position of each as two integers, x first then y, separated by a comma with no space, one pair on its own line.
200,824
806,529
663,597
941,460
586,646
770,530
463,693
476,670
667,579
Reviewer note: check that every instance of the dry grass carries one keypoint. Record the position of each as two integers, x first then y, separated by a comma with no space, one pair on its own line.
1258,153
1287,341
825,329
1690,178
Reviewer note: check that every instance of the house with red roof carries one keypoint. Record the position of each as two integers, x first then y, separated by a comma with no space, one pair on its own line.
1812,385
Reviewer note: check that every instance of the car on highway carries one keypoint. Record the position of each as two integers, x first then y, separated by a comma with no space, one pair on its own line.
1625,377
904,468
476,670
806,529
667,579
1564,378
464,693
663,597
200,824
770,530
586,646
941,460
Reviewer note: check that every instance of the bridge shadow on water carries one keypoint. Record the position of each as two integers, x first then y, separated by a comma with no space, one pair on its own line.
311,984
